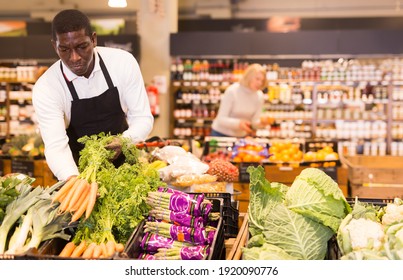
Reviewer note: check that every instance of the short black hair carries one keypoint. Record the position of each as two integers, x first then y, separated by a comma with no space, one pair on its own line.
70,20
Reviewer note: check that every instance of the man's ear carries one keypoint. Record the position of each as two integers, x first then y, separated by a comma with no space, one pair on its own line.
54,45
94,39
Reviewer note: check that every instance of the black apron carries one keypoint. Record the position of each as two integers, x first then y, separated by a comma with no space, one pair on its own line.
94,115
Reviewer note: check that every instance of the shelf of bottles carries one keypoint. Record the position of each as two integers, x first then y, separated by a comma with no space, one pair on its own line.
197,86
3,110
16,110
357,102
21,110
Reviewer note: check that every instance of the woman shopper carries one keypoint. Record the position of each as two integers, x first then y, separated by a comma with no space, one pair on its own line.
241,105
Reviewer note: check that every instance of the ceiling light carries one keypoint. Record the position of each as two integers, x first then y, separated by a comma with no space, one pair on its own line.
117,3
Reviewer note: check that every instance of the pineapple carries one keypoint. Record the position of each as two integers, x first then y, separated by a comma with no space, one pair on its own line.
224,170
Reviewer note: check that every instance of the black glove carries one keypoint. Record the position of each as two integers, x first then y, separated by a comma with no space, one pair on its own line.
116,146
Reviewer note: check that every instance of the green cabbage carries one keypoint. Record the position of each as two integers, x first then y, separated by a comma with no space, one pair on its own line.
299,236
316,195
264,196
265,252
298,220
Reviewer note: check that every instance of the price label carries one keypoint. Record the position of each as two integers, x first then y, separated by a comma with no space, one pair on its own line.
23,166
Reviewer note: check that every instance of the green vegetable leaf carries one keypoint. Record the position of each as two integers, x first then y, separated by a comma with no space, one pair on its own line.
264,196
266,252
299,236
315,195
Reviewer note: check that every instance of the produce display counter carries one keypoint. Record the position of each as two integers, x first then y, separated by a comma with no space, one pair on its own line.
374,176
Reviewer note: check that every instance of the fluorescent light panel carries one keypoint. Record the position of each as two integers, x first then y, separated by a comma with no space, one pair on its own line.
117,3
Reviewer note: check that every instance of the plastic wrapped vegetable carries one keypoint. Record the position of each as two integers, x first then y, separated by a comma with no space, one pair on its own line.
146,256
152,242
178,202
205,207
178,218
186,253
180,233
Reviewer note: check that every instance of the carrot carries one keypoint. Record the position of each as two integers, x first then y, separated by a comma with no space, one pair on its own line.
77,193
65,203
62,197
97,252
80,211
92,199
83,195
79,250
110,248
67,250
66,187
119,247
89,251
104,253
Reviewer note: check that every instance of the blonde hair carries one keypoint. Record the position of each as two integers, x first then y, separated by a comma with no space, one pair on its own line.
250,72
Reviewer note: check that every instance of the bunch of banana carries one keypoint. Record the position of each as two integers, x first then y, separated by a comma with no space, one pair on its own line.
157,164
153,167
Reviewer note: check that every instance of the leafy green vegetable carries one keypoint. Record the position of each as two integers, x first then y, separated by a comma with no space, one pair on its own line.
394,242
8,190
266,252
300,220
264,196
47,223
28,196
315,195
123,190
299,236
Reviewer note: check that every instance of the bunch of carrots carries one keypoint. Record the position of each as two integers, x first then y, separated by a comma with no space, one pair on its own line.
91,250
77,196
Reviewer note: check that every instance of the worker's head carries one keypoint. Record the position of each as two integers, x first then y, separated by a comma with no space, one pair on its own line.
254,77
74,41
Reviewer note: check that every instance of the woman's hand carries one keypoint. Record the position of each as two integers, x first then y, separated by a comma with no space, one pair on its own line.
246,126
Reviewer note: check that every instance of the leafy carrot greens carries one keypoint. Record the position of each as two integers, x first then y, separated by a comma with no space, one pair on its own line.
121,204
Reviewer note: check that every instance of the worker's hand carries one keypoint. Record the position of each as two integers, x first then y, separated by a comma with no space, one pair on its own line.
71,177
116,146
246,126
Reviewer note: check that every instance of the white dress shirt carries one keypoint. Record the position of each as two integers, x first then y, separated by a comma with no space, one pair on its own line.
52,103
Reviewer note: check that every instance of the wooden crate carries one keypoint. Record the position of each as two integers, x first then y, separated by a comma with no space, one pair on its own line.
235,253
285,174
374,176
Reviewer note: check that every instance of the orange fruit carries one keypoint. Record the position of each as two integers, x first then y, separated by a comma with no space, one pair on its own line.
248,158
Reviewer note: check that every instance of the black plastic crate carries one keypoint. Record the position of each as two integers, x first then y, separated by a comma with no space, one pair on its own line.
133,249
375,201
229,213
